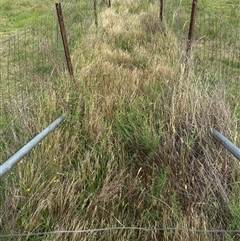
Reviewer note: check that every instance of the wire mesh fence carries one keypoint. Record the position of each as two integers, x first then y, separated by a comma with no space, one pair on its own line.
215,49
26,64
31,61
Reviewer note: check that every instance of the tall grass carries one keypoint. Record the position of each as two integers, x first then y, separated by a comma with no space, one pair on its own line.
135,148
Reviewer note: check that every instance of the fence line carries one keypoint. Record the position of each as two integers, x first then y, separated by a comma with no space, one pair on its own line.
121,228
216,44
217,17
214,51
31,61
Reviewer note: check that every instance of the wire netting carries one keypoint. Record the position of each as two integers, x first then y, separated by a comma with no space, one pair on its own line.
216,48
216,45
31,61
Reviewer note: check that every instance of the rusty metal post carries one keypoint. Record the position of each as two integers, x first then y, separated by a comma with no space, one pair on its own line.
64,38
190,34
95,12
161,11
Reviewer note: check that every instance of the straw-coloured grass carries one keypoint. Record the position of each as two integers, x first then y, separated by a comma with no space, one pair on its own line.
135,148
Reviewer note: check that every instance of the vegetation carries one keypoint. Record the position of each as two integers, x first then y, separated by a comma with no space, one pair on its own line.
135,148
20,14
228,10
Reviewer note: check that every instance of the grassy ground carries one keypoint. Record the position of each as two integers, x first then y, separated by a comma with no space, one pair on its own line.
14,16
227,10
135,148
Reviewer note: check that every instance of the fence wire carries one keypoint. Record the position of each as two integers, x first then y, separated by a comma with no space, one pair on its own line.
216,45
31,61
26,63
216,50
59,232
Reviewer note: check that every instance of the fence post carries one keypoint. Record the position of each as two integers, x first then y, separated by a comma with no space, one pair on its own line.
190,35
95,12
64,38
161,10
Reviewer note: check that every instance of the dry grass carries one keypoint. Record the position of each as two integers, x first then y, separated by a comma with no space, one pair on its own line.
135,149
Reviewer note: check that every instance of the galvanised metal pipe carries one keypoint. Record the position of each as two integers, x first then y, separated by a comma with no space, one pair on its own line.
226,143
13,160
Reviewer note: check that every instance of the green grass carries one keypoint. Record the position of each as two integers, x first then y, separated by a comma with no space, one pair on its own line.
227,10
21,14
216,38
134,149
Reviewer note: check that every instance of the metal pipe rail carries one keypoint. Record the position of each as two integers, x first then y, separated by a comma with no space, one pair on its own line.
13,160
226,143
